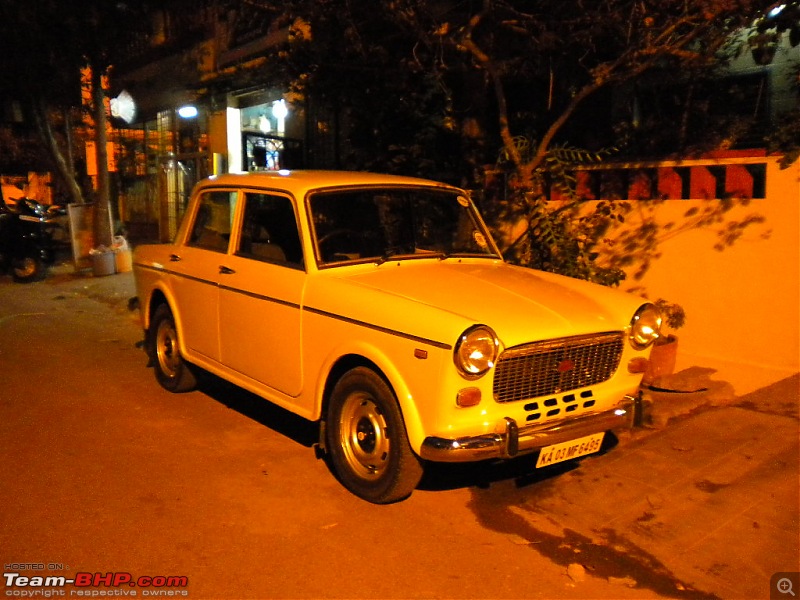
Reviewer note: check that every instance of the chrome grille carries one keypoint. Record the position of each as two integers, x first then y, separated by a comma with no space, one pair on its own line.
555,366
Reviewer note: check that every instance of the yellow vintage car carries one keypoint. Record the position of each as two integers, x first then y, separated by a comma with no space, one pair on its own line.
381,307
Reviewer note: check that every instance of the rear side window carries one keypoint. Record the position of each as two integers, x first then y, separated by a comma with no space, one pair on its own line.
211,229
269,230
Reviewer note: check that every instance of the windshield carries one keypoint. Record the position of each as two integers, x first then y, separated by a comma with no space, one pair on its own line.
381,224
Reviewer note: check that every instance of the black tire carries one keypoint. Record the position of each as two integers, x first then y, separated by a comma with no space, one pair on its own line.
28,269
367,440
173,373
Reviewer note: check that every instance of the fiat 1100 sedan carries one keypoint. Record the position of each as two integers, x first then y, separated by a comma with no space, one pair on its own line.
381,307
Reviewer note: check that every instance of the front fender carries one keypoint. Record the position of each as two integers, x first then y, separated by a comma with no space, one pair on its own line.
391,368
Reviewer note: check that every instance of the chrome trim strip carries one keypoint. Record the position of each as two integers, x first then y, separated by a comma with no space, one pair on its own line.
176,274
394,332
221,287
315,311
514,440
227,288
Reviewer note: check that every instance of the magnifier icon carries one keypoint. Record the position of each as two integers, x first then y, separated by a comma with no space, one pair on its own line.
784,586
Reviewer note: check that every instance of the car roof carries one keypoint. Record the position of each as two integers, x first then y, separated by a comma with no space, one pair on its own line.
300,182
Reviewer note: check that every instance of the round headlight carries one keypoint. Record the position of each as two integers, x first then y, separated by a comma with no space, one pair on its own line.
476,351
645,326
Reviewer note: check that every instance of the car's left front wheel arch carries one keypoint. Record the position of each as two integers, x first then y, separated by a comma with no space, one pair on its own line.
366,439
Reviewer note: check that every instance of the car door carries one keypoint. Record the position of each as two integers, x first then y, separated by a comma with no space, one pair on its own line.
261,295
196,267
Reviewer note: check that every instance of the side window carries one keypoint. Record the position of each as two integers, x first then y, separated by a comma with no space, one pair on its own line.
269,230
212,224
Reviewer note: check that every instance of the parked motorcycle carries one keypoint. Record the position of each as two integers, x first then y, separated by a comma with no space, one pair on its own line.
26,241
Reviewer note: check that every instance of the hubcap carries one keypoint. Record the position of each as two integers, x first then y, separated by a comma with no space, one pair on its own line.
167,349
364,437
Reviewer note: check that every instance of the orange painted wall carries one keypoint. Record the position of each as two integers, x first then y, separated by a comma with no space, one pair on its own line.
742,302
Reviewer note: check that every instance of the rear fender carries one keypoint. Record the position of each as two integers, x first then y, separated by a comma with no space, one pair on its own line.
159,295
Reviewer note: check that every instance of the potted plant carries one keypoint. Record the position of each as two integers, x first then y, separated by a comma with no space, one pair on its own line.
665,349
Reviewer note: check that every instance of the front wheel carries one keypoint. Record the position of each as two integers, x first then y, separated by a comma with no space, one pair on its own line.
173,373
367,439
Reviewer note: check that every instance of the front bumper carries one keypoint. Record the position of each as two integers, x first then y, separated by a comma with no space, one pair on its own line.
512,440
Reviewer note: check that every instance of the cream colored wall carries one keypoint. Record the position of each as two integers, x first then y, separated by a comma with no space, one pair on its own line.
742,303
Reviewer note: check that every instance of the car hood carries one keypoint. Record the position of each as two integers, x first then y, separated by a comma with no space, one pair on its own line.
514,301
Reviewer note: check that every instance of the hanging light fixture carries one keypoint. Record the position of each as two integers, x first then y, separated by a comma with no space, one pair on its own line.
187,112
123,107
279,109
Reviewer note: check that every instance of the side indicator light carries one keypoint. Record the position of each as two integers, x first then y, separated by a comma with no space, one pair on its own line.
420,353
468,397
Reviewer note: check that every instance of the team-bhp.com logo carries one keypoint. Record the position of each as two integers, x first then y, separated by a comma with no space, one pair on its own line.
94,585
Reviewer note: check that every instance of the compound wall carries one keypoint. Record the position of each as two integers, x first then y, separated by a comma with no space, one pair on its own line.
729,244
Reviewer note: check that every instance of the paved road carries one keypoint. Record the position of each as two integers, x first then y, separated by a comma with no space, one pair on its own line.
104,472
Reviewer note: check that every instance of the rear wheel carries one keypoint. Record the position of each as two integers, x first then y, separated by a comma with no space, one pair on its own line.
28,269
172,371
367,440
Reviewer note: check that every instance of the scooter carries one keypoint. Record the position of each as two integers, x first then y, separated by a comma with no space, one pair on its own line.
26,242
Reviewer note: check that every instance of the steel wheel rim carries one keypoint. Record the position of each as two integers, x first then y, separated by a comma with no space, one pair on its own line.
167,350
363,436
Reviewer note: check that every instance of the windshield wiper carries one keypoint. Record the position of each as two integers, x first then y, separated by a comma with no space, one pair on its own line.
391,255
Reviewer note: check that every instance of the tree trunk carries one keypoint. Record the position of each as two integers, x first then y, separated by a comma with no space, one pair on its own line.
68,152
66,172
102,225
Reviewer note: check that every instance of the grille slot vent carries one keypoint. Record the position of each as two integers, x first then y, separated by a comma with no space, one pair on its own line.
556,366
558,406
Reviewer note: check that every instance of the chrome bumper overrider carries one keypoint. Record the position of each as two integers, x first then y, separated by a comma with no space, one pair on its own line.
512,440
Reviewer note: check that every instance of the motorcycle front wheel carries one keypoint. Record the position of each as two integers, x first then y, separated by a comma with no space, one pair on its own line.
28,269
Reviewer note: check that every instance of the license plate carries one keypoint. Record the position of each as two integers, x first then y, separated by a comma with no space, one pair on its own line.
550,455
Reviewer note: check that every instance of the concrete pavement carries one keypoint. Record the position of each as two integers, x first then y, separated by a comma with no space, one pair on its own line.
710,500
114,289
706,494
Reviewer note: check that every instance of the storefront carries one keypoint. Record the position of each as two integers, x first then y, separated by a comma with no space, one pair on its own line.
164,158
200,113
258,139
